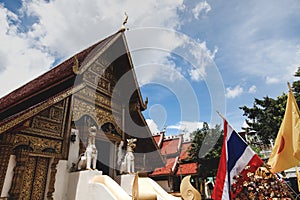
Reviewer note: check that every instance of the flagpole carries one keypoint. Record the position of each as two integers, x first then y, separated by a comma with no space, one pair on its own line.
220,115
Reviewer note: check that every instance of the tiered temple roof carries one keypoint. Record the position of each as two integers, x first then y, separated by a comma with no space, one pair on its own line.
175,152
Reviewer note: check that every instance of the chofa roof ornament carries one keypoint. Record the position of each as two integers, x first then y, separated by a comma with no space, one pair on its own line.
123,28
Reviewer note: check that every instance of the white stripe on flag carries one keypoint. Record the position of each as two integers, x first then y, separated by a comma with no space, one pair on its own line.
225,194
241,163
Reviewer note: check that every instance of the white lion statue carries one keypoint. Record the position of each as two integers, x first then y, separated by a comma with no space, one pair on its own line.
127,165
89,158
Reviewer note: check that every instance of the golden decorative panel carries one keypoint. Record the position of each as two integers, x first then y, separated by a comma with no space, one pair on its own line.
35,178
38,109
51,121
38,144
92,96
81,108
97,67
28,177
100,82
41,172
100,75
44,124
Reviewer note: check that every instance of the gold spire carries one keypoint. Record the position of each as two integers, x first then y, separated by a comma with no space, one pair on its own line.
123,28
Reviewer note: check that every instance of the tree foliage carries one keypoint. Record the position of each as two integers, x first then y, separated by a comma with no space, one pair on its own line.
266,115
296,85
209,163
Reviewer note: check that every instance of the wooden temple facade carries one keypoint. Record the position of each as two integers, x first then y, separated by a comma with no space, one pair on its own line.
44,124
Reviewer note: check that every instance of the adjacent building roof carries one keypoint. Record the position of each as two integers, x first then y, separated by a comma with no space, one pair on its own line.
159,139
184,154
176,155
171,146
169,168
187,169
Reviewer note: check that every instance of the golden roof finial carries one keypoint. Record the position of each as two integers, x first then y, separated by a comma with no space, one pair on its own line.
123,28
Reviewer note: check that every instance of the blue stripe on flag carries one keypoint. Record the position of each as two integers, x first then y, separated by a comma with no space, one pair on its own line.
236,147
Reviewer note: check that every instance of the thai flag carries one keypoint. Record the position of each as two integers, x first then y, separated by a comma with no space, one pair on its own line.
235,156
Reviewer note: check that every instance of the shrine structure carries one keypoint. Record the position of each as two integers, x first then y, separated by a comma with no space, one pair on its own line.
44,125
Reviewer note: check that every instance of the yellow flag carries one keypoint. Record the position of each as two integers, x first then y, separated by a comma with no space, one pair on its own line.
286,150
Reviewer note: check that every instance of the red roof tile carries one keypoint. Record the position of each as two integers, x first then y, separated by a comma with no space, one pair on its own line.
170,146
156,138
184,150
168,169
159,139
187,168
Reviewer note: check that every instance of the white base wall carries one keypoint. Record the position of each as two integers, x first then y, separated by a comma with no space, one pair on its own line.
127,183
79,187
61,181
9,176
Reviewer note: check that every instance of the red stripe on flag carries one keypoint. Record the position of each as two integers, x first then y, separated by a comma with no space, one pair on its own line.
222,169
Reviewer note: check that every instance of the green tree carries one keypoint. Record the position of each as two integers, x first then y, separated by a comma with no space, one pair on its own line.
208,163
266,115
296,85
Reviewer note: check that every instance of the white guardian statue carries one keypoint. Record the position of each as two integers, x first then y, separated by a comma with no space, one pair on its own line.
90,156
127,165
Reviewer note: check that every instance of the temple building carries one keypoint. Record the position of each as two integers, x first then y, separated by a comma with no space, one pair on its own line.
177,163
44,125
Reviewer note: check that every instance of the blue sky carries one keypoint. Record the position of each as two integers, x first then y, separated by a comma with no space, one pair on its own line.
191,57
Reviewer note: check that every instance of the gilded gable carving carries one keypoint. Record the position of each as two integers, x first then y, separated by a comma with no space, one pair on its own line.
101,76
92,96
81,108
37,144
50,121
44,124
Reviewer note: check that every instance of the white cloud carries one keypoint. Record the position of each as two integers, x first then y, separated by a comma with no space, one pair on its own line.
203,58
252,89
272,80
261,40
72,26
62,28
161,47
152,126
186,126
202,7
234,92
22,61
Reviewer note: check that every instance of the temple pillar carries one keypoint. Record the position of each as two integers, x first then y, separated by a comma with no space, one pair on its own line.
53,170
15,190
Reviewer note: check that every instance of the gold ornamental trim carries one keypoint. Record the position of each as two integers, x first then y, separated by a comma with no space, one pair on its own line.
98,54
39,108
76,65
